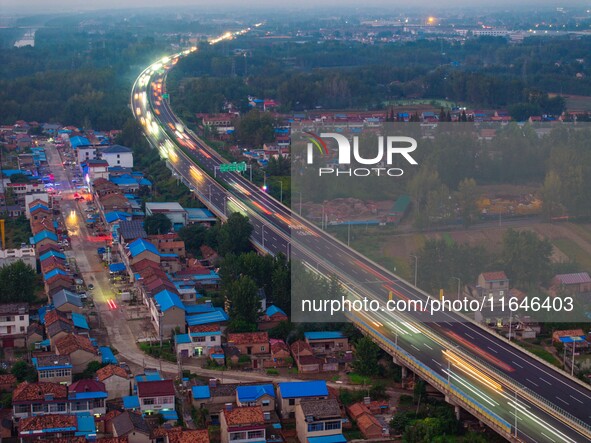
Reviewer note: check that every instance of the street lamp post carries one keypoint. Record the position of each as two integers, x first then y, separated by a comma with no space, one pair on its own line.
416,267
348,233
459,285
281,191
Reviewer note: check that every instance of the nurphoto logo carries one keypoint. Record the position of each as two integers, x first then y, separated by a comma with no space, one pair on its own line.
387,147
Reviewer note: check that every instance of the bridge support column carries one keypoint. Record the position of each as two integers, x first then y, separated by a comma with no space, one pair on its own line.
457,411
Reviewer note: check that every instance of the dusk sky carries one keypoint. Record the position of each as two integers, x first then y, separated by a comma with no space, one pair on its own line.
35,6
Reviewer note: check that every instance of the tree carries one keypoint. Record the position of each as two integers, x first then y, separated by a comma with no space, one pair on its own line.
401,420
365,361
234,235
194,236
256,128
551,195
90,370
526,258
24,371
19,178
244,301
157,224
18,283
467,194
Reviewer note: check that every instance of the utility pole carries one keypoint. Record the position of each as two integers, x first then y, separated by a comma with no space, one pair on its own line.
416,267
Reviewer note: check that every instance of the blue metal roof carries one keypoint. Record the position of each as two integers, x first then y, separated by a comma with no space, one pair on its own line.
170,415
210,317
117,267
79,321
52,253
107,355
295,389
200,392
131,402
253,393
199,309
572,339
79,141
272,310
124,180
145,182
140,245
149,377
44,235
180,339
64,296
323,335
85,425
167,300
335,438
204,334
87,395
53,273
113,216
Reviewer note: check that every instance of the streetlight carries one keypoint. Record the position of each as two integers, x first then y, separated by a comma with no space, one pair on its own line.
517,390
459,285
416,266
281,191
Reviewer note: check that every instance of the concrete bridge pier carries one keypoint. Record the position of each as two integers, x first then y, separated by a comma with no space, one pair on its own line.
457,409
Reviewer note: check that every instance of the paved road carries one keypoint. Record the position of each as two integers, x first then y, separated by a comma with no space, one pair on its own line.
277,229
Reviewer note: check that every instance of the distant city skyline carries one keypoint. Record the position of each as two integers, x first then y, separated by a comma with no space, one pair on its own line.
30,7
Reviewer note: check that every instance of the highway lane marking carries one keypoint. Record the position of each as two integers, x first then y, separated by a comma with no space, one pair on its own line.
545,381
427,346
532,382
516,364
468,335
549,438
495,351
563,401
575,398
435,361
413,346
539,368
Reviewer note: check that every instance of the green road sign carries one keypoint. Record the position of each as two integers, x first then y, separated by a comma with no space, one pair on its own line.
233,167
165,96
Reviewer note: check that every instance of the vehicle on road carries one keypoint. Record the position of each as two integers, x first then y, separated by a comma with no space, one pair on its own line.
90,286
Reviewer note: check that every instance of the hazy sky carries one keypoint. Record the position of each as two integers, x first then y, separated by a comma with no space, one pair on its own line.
35,6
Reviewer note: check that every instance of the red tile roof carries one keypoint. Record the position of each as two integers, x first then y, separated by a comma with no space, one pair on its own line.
108,371
55,315
37,391
87,385
244,416
573,279
188,436
204,328
7,379
158,388
278,346
494,276
248,338
50,421
72,342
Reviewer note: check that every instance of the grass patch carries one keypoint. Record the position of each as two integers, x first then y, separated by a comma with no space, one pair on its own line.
357,379
449,241
272,371
165,352
539,351
573,251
